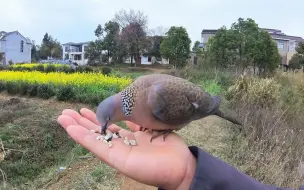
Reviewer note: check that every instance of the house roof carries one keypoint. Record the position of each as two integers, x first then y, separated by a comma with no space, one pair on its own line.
3,34
275,33
209,31
76,44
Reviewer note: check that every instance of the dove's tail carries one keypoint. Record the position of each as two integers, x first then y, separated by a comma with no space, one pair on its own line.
227,117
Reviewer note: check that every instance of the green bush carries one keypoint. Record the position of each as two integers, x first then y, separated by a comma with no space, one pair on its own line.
88,68
39,68
93,98
65,93
50,68
2,67
12,87
66,69
45,91
106,70
32,90
24,88
2,86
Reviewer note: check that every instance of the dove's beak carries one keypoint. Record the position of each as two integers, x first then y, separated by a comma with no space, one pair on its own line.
104,128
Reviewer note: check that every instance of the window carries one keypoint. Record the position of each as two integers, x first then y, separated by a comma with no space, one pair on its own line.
66,56
21,45
85,48
67,48
292,46
280,45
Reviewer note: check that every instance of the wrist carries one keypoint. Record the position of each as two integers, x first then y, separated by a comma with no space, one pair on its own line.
191,168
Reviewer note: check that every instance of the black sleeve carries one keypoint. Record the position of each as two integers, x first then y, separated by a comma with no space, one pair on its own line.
214,174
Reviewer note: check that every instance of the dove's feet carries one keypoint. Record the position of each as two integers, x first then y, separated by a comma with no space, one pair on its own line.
142,128
165,133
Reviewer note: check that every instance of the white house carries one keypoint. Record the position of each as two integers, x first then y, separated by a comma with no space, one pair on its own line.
14,47
75,52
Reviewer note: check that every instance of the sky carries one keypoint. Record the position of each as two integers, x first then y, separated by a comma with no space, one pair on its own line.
76,20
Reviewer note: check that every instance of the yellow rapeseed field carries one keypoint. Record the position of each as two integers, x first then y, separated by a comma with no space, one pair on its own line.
59,78
31,65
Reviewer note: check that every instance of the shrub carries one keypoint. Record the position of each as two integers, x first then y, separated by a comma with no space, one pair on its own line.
45,91
39,67
88,69
50,68
32,90
65,93
106,70
2,86
12,87
2,67
65,69
264,92
24,88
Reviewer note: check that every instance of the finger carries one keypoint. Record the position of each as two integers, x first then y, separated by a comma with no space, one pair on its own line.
82,120
65,121
90,115
114,156
72,113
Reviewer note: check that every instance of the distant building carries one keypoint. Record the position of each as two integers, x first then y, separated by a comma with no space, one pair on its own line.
75,52
286,44
14,47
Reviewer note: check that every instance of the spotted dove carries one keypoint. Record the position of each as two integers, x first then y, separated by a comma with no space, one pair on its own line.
159,102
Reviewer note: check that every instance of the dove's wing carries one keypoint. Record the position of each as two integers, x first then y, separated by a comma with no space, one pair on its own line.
176,101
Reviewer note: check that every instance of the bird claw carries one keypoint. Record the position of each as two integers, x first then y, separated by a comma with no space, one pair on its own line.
161,132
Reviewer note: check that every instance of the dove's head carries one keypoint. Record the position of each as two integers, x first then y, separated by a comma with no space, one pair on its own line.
109,111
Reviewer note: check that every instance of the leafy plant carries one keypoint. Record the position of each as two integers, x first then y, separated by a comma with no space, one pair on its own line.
45,91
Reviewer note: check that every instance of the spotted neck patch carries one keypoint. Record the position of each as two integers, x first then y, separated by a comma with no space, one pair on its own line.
127,96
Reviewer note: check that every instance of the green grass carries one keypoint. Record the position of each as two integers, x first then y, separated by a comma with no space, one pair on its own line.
34,142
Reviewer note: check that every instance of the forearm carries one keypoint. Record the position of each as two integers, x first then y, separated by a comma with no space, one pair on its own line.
212,173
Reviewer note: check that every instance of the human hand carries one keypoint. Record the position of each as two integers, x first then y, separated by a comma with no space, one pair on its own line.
167,164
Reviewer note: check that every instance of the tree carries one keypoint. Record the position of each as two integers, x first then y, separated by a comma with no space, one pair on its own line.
197,49
300,48
220,49
133,26
94,51
176,46
107,38
266,57
35,52
50,48
296,61
154,46
110,39
245,37
243,45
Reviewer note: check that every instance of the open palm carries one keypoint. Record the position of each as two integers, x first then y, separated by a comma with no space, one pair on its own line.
168,164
